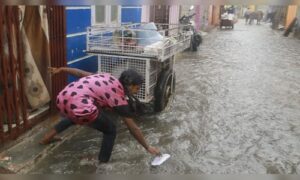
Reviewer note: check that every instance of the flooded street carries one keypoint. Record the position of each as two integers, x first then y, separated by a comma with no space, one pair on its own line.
236,110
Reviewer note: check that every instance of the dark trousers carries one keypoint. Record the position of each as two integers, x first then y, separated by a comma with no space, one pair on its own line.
106,125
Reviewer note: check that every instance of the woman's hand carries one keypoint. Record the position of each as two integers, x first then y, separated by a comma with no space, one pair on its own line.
153,150
54,70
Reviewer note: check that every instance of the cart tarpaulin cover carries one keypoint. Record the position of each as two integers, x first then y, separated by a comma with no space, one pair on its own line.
148,37
34,28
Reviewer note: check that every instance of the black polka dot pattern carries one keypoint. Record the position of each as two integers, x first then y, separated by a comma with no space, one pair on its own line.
105,82
111,78
107,95
91,90
64,93
116,102
71,85
84,101
97,83
65,102
73,106
80,100
73,94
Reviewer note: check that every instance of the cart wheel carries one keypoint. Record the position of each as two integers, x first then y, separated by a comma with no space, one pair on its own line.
191,44
196,41
164,89
194,47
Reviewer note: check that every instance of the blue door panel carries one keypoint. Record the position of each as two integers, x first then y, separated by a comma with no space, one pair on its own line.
89,64
75,47
131,15
78,20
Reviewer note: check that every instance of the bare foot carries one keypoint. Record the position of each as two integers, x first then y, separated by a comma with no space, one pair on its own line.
49,137
48,141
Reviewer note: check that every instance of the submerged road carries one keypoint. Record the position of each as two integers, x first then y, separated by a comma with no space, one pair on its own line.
236,110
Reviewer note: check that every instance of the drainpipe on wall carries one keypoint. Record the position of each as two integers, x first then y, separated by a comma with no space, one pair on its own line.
210,15
197,18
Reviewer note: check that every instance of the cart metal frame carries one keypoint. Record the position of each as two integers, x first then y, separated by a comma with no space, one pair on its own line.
117,53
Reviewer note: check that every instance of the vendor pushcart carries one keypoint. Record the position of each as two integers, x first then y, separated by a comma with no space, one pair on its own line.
148,48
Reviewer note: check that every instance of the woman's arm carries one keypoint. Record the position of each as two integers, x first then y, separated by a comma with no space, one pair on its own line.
138,135
73,71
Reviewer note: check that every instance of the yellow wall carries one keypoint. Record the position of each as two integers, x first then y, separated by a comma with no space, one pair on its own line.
252,7
291,14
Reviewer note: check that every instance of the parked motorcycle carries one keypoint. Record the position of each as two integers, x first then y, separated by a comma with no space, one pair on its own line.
189,25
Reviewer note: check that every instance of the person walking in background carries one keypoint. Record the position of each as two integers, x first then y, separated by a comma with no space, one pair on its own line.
269,15
247,15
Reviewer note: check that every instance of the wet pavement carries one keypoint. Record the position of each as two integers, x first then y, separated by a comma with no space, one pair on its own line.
236,110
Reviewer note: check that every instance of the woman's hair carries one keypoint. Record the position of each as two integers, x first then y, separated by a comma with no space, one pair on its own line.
130,77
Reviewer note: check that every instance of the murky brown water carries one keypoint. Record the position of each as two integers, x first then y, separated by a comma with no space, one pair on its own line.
236,110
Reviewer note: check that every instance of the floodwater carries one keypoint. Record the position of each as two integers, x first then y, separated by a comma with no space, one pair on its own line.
236,110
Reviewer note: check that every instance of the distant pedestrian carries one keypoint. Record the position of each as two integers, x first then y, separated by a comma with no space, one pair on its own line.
247,15
269,16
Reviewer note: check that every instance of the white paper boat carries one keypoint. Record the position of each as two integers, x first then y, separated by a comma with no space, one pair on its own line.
158,160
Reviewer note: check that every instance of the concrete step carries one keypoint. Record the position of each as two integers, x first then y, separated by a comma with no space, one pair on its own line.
22,156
